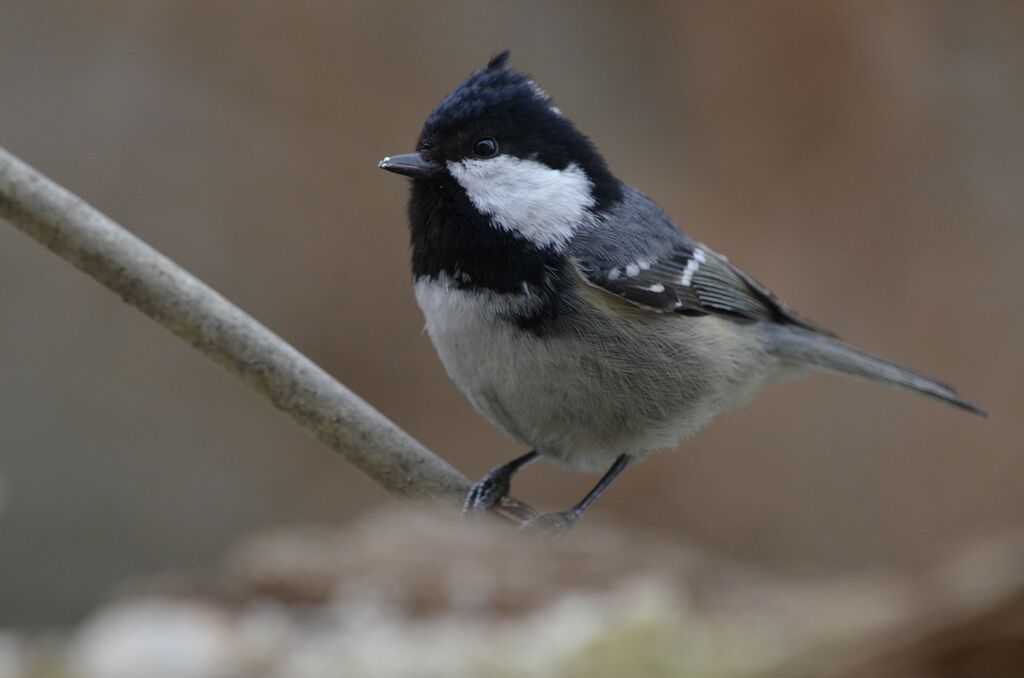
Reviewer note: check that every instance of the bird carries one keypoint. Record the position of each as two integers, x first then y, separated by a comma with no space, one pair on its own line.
570,309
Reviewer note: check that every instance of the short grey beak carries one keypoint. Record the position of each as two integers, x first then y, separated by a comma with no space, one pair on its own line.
410,165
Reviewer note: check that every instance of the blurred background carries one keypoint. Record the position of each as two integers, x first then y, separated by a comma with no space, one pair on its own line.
865,160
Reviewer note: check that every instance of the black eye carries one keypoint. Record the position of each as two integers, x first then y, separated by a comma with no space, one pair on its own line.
485,148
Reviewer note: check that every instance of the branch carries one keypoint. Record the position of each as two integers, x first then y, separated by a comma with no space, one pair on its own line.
224,333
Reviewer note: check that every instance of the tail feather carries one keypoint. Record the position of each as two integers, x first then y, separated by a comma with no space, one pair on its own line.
803,347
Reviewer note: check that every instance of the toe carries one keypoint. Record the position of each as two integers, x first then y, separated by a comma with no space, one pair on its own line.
485,494
552,524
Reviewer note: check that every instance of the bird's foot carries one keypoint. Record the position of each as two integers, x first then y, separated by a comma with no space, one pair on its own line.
553,525
487,492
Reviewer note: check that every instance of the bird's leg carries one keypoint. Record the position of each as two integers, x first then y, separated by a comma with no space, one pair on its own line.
558,523
489,490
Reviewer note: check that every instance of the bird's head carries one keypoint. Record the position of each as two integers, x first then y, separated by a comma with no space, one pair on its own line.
498,145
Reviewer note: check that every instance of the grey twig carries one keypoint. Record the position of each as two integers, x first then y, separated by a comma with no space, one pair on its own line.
224,333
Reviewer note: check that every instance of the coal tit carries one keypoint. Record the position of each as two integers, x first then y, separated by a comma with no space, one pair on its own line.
568,307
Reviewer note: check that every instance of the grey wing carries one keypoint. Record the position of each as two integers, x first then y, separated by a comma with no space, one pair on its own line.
690,279
640,256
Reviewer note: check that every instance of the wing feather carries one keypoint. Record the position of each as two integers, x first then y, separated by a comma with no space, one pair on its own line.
691,279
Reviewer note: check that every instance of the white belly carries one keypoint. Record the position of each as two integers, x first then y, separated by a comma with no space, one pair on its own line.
584,400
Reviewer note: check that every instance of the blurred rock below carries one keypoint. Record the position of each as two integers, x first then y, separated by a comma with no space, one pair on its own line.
402,593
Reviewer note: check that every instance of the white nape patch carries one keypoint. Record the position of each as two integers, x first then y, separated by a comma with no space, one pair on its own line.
633,270
692,265
527,197
543,96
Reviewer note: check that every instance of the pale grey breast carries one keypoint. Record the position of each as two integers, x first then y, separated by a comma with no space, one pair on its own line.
611,383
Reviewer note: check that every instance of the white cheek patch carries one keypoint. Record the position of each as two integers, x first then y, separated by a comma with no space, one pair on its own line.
527,197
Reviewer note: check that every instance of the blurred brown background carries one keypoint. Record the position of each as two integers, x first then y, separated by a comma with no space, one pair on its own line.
863,159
